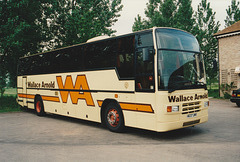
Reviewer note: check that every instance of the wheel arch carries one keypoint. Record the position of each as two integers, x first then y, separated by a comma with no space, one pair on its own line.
40,112
104,105
37,96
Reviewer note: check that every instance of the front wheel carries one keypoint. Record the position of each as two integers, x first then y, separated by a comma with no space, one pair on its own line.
113,118
39,108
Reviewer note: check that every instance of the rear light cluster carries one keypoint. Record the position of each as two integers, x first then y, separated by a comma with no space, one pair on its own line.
234,93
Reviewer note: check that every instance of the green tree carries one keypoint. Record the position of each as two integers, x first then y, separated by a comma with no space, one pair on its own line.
77,21
184,16
233,13
166,13
140,24
204,28
20,32
2,80
30,26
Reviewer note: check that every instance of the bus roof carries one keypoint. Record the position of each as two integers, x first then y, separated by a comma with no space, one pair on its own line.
100,38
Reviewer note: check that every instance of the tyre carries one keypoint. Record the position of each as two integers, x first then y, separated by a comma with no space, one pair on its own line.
38,105
113,118
238,104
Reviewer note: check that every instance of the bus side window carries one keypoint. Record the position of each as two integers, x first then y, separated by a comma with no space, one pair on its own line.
125,57
100,55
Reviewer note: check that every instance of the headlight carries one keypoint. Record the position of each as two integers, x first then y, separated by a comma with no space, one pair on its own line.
172,108
206,103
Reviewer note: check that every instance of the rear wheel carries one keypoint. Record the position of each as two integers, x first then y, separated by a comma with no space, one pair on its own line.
39,108
113,118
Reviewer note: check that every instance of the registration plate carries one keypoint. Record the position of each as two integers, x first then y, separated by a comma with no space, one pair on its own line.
192,115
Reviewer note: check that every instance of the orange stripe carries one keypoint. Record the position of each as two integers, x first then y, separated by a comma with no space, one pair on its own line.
51,98
132,106
136,107
45,98
26,96
99,103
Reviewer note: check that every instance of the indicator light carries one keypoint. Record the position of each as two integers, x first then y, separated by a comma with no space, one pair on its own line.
169,109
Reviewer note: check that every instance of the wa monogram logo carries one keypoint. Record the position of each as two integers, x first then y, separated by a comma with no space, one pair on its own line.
73,89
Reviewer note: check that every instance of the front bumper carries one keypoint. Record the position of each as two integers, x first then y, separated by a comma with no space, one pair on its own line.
163,127
235,99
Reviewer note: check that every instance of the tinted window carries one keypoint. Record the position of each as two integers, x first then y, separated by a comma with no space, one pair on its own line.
144,71
145,40
112,53
125,57
177,40
145,63
100,54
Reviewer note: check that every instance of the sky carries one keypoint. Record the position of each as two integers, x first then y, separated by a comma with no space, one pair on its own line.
131,8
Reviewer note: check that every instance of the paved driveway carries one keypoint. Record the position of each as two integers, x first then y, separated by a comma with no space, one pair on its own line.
27,137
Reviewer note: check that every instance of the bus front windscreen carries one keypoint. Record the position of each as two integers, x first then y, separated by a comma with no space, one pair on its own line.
180,63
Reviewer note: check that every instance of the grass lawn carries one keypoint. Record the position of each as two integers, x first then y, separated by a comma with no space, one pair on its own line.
8,101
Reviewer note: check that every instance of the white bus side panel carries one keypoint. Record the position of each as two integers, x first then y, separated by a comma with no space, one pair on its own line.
57,97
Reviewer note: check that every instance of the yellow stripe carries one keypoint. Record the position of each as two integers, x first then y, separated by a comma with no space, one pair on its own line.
44,98
50,98
26,96
99,103
136,107
132,106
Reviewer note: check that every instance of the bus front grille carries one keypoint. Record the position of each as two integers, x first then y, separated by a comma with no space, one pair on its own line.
190,107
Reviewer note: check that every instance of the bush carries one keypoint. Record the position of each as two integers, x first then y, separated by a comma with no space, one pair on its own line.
226,89
227,95
8,104
213,93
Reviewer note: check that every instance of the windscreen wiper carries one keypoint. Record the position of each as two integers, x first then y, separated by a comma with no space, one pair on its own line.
185,84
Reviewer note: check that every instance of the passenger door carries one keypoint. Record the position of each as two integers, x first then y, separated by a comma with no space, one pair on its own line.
24,90
144,70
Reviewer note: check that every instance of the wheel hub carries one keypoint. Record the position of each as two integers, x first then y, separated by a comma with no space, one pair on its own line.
113,117
38,106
